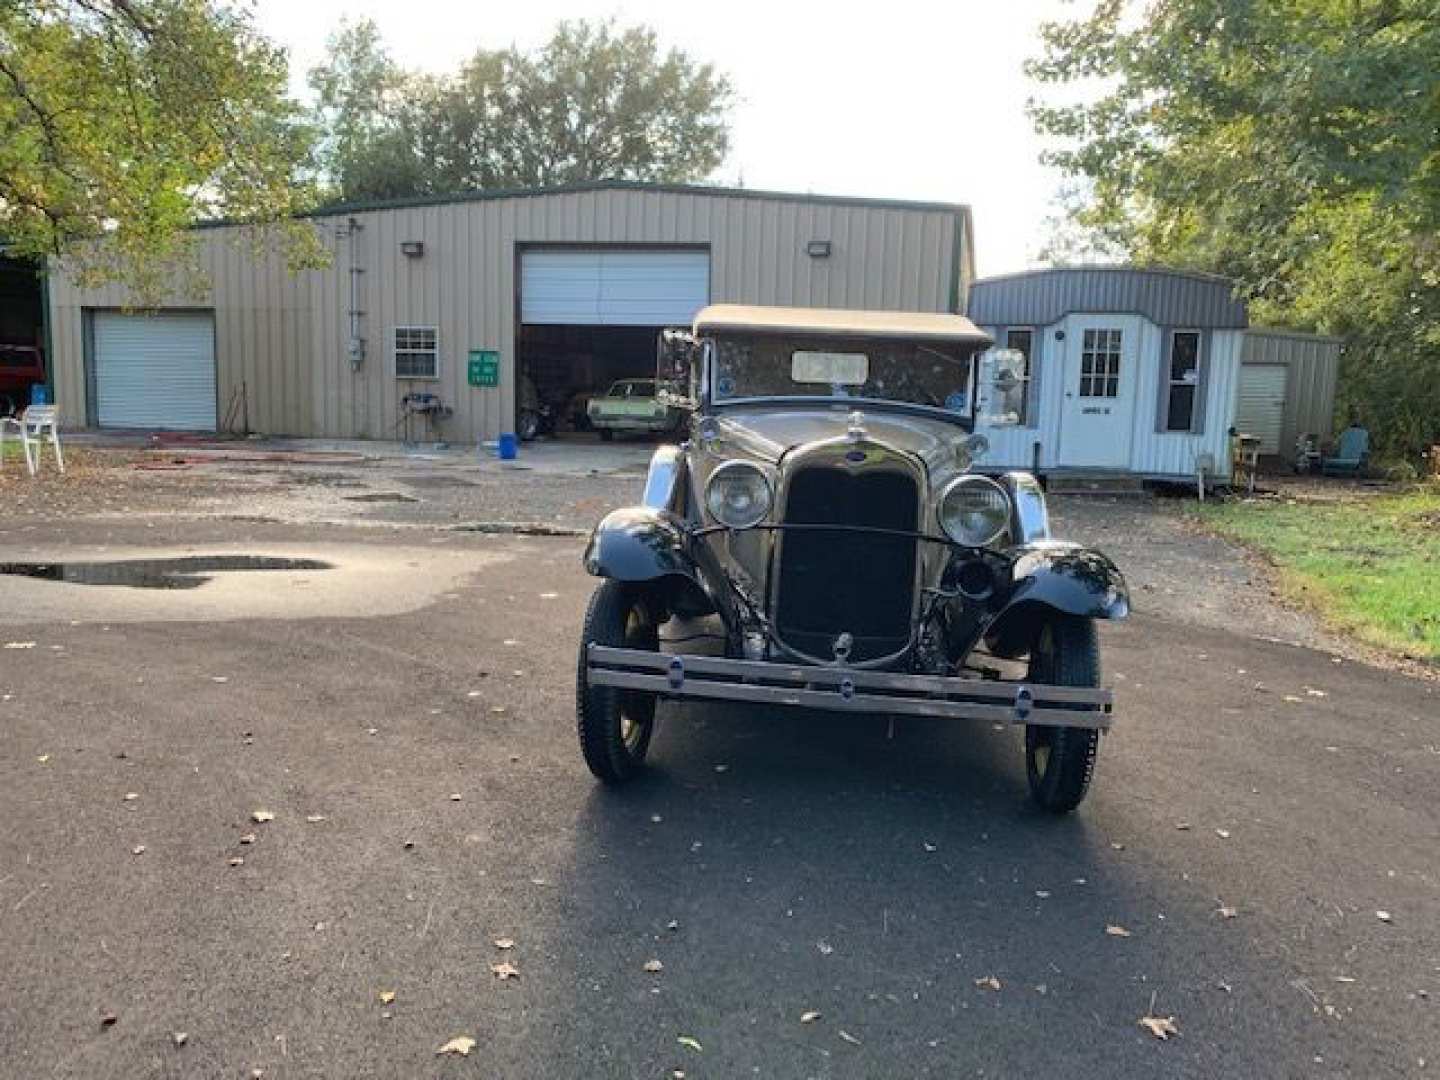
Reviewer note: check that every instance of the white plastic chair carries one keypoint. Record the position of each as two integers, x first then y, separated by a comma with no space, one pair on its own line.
36,425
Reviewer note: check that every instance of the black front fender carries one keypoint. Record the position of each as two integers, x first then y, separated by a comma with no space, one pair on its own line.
650,545
1051,577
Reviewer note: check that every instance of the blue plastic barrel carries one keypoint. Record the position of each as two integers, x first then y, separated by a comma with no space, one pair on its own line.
509,446
39,394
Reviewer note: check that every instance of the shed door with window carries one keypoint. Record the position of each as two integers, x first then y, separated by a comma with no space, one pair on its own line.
1260,409
1095,418
155,371
613,287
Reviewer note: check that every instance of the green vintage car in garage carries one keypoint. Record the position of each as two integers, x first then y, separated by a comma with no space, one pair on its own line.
633,405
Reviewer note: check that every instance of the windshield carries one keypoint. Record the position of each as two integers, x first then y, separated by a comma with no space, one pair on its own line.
913,373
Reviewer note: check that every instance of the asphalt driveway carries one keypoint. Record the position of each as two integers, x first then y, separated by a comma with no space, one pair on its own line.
777,866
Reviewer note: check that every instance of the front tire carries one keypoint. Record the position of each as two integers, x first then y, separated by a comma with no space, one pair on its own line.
1060,761
615,725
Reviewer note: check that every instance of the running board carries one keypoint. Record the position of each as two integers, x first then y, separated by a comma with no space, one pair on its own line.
839,689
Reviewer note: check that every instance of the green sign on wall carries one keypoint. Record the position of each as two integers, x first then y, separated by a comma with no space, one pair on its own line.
484,367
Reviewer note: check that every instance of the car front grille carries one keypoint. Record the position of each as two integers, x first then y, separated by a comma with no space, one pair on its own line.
834,581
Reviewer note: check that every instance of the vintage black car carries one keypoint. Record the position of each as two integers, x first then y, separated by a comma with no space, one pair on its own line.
824,512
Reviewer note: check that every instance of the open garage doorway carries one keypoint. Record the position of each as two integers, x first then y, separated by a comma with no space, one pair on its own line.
590,316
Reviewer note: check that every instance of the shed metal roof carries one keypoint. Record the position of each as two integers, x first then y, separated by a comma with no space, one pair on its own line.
1165,297
834,322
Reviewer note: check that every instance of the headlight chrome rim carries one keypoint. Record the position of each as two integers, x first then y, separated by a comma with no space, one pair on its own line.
999,518
727,472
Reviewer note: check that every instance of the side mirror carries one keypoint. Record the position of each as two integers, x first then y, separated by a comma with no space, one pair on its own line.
1001,384
677,368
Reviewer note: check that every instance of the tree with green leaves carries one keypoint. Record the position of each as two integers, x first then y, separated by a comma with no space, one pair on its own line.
1293,145
595,102
134,119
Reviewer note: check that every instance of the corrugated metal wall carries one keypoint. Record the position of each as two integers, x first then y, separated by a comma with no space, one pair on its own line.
1152,452
1165,297
1314,364
285,337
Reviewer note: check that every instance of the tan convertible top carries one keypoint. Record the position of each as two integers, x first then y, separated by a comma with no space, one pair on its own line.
833,322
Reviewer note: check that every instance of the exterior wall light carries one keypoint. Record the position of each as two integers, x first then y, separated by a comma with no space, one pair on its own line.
412,249
818,249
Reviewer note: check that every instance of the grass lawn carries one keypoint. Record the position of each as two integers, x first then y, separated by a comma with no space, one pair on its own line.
1370,565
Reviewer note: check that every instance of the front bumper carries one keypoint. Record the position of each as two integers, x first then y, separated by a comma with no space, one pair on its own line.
847,689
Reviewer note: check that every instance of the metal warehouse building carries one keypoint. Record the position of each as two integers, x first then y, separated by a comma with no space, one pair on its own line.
431,311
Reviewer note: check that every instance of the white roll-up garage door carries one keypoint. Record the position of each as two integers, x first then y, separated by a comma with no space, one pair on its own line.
155,371
613,287
1261,407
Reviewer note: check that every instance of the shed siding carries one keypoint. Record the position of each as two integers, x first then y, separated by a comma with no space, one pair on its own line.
1152,453
285,336
1314,364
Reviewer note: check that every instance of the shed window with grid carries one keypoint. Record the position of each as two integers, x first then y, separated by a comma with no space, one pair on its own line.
417,352
1100,364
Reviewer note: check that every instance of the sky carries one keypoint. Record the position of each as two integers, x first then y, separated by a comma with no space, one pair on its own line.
892,99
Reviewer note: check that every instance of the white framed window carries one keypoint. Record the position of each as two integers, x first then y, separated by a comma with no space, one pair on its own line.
1021,339
1100,364
1183,372
417,352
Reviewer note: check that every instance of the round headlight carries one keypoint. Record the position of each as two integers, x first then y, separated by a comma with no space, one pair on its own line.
738,495
974,511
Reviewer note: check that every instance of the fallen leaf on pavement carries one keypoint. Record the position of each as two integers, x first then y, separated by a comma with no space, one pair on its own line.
43,758
504,943
809,1017
454,796
131,796
1293,700
237,861
262,816
928,847
1384,916
248,838
654,966
387,996
505,971
825,948
848,1037
549,595
220,678
988,982
1227,912
497,709
1043,894
1315,693
107,1019
1223,834
461,1044
673,924
138,849
314,819
1162,1027
1183,826
1116,931
690,1043
180,1038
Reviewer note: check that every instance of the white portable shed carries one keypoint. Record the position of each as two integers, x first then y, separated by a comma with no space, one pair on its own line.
1128,371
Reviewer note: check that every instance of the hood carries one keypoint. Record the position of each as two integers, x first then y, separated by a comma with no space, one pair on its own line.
769,431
